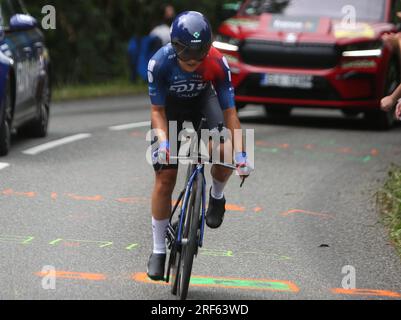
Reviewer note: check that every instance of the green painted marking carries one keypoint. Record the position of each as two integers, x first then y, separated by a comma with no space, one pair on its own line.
367,159
103,244
27,241
256,284
216,253
132,246
270,150
54,242
17,239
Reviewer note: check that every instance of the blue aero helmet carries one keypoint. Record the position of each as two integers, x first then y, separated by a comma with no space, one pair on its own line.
191,36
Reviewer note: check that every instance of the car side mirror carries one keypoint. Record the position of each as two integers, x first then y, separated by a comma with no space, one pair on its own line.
20,22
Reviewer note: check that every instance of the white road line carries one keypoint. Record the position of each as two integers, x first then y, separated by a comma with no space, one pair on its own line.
50,145
130,126
3,165
251,113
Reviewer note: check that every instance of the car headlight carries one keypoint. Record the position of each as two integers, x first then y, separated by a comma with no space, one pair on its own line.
226,43
364,49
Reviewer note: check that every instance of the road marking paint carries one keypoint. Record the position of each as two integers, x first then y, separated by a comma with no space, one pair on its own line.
230,283
100,244
4,165
75,275
57,143
216,253
16,239
11,192
252,113
296,211
367,292
130,126
81,198
132,246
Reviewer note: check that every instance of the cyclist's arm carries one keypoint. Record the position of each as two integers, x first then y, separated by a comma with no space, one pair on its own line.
234,125
159,122
157,93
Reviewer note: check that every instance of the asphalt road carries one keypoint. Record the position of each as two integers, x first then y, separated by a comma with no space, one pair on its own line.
308,212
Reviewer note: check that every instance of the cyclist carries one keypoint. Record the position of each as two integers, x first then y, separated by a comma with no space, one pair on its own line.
188,80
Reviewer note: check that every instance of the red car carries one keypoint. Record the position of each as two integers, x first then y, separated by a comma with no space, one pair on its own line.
314,53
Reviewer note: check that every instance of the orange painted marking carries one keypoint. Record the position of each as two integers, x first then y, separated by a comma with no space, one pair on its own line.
11,192
296,211
54,195
374,152
309,146
233,207
133,200
75,275
284,146
292,287
82,198
257,209
367,292
345,150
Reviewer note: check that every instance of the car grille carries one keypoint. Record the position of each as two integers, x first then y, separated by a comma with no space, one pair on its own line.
299,55
322,90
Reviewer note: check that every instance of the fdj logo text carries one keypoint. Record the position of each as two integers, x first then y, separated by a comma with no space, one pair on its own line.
188,87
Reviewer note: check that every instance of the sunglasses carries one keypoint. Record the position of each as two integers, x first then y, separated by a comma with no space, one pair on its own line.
184,53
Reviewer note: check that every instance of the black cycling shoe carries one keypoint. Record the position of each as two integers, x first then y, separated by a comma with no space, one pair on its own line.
215,212
156,266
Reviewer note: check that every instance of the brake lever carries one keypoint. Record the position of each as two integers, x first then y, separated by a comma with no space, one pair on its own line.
243,181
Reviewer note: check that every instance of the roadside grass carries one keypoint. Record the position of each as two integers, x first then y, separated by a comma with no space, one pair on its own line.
119,87
389,203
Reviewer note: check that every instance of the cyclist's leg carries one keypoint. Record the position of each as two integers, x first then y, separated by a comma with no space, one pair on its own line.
165,180
210,109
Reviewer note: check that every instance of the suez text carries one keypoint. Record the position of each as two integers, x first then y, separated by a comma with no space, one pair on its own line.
205,309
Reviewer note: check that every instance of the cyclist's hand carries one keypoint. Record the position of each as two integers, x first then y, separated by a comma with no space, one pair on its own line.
387,103
162,154
244,168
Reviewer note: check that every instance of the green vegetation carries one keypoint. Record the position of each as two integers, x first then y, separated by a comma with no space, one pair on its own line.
96,90
389,200
91,38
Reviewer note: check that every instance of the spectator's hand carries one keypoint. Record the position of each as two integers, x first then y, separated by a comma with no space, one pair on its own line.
387,103
393,39
398,111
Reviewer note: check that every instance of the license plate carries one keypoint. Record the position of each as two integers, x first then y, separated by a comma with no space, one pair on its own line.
287,81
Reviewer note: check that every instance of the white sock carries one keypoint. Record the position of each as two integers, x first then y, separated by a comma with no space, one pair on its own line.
217,189
159,235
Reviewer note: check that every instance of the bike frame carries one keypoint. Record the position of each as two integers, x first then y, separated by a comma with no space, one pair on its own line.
199,169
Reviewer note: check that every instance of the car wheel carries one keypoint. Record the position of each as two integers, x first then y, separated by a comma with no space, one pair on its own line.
38,127
380,119
6,122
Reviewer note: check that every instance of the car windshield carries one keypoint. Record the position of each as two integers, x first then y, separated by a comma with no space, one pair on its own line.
363,10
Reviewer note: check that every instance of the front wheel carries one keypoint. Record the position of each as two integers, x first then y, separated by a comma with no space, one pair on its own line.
191,236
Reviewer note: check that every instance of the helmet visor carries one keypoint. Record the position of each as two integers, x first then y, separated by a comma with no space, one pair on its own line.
186,53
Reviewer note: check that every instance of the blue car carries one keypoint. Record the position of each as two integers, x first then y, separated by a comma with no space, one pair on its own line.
25,90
